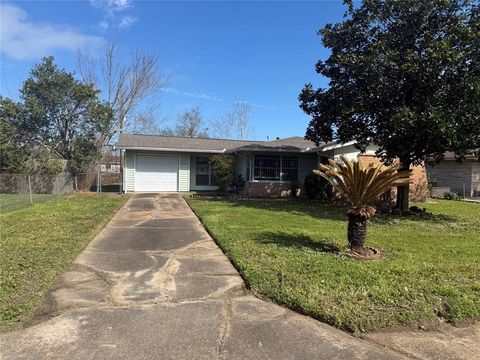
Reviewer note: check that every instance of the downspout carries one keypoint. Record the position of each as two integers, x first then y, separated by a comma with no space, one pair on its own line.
124,172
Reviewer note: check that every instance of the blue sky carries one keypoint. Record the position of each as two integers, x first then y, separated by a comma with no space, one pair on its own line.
214,53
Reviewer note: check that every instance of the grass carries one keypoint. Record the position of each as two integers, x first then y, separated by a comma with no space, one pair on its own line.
294,252
38,242
11,202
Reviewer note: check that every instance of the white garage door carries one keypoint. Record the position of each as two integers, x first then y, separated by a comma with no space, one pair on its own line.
156,173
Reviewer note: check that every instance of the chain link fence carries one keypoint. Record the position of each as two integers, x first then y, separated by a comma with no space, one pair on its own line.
98,182
18,191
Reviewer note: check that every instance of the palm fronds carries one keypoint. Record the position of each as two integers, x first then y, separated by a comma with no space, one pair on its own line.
359,185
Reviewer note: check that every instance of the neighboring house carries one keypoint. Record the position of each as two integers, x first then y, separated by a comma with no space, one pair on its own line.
449,175
176,164
110,162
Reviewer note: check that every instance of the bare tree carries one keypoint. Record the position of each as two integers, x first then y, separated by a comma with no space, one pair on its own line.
124,85
222,127
235,124
190,124
240,118
147,122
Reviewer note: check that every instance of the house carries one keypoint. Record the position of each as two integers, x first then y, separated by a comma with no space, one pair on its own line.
451,176
177,164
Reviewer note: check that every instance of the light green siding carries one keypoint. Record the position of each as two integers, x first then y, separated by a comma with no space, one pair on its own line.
241,165
306,163
129,170
184,173
186,176
184,168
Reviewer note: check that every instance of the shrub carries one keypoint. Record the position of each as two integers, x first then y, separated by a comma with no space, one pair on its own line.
238,183
451,196
316,187
294,187
223,167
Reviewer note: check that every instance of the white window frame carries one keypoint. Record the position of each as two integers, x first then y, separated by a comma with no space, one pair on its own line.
210,174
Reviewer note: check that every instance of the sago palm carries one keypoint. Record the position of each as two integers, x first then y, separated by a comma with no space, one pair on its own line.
360,186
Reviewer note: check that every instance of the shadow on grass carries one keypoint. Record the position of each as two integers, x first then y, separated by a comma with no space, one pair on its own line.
314,209
297,241
421,217
322,210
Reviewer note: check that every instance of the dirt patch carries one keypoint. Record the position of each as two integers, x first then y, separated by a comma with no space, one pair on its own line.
368,253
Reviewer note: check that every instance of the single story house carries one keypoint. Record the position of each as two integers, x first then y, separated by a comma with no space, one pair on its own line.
177,164
449,175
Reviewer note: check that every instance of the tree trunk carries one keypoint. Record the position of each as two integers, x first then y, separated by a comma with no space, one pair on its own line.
357,232
403,191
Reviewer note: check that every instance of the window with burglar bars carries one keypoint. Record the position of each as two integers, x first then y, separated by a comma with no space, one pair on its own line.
276,167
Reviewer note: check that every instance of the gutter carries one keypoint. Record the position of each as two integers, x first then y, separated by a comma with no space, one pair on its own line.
335,146
171,149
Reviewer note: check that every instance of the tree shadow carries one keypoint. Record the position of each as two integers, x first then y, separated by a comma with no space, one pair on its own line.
297,241
420,217
323,210
316,209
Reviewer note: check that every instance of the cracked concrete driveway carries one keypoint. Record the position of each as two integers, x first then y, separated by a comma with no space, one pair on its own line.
154,285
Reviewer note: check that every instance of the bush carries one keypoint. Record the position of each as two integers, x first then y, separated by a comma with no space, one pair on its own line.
451,196
294,187
238,184
223,167
316,187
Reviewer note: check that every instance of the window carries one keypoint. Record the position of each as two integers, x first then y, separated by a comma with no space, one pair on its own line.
267,167
275,167
289,168
203,172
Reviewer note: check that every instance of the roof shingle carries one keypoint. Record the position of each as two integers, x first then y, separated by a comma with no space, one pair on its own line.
132,141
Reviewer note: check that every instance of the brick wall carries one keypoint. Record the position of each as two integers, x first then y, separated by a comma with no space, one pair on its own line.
418,176
269,189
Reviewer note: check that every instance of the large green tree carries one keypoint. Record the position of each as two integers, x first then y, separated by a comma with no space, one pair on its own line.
14,152
60,113
404,75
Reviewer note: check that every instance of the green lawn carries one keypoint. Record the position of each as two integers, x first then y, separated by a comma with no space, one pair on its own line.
294,253
38,242
10,202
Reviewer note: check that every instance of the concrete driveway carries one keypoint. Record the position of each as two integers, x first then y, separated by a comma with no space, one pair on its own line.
154,285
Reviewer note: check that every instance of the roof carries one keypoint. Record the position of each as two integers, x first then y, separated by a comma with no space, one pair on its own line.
450,155
184,144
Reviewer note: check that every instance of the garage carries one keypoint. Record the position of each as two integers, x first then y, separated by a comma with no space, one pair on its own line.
156,173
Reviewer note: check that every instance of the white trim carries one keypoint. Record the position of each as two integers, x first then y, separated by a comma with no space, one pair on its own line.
172,149
336,146
124,186
193,173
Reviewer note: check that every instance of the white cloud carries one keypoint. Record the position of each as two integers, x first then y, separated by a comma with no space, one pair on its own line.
192,95
104,24
111,6
126,22
22,38
112,10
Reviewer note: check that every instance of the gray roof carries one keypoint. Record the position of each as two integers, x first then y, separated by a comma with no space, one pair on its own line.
294,144
154,142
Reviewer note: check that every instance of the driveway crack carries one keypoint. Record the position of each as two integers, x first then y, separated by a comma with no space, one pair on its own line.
225,328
